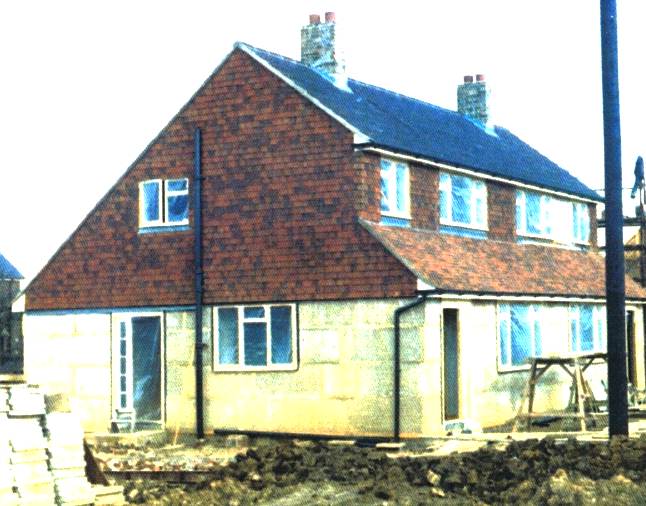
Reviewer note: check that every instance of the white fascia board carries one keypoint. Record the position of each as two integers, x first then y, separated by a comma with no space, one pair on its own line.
473,173
18,305
359,137
527,298
423,286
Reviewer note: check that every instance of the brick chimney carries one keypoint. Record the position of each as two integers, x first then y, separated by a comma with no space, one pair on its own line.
318,45
473,98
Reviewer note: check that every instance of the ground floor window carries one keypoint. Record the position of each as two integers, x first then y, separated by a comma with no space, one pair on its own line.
519,331
533,330
255,336
587,328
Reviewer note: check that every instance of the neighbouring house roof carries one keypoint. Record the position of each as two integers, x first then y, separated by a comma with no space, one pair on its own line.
8,271
461,264
409,126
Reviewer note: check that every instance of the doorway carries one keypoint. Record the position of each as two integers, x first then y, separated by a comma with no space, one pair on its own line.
139,369
630,347
451,364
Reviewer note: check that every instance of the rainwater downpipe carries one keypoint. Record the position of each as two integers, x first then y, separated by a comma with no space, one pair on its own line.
397,361
199,284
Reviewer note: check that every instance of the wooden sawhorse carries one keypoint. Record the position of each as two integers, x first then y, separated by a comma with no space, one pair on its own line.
574,364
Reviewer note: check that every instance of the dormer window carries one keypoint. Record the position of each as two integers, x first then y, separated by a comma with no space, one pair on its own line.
395,189
545,217
163,202
463,201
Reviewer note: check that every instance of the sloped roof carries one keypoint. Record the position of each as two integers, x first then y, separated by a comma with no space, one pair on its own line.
461,264
406,125
8,271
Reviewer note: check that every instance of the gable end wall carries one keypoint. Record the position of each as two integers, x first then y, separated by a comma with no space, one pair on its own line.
280,218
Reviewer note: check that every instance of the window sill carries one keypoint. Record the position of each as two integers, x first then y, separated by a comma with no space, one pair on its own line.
547,241
473,233
395,214
160,229
255,368
457,224
394,221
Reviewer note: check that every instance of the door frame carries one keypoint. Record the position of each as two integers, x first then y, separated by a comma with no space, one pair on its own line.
126,318
457,363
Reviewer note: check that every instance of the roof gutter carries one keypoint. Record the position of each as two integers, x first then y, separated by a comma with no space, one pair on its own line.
397,360
524,296
372,148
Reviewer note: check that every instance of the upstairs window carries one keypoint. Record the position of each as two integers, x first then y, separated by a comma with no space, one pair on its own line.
163,202
255,337
581,223
463,201
545,217
395,189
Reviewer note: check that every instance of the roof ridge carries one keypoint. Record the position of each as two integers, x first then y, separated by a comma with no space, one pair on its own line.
357,81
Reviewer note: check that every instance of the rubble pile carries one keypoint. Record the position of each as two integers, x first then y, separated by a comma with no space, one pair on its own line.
534,472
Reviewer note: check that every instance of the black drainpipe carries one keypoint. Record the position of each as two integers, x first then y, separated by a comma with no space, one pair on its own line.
397,361
199,284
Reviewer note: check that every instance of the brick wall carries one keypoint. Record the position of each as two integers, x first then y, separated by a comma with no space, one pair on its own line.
501,208
279,220
592,209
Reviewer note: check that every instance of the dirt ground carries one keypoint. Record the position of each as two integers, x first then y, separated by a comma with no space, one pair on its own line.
544,471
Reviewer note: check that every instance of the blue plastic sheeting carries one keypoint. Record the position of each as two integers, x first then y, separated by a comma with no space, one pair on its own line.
151,191
281,335
411,126
146,368
228,335
255,343
177,208
582,334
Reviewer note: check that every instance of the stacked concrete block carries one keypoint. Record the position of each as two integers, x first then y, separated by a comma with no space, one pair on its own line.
66,459
8,495
112,495
32,479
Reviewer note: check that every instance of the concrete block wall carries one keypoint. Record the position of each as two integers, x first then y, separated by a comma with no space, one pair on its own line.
492,396
70,353
343,384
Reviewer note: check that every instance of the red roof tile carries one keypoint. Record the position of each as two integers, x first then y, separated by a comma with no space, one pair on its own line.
462,264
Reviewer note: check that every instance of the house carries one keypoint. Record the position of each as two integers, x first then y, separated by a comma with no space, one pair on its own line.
10,338
300,252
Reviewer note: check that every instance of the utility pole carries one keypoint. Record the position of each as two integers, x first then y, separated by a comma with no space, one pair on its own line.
615,270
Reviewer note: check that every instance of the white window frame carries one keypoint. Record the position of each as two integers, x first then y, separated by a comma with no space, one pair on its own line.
504,318
477,192
388,171
241,366
599,340
557,219
163,194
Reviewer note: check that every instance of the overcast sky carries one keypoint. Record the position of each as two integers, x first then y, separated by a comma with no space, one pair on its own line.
86,85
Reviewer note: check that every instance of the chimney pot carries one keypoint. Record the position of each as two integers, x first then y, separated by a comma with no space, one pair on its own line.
468,79
480,78
315,19
330,17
